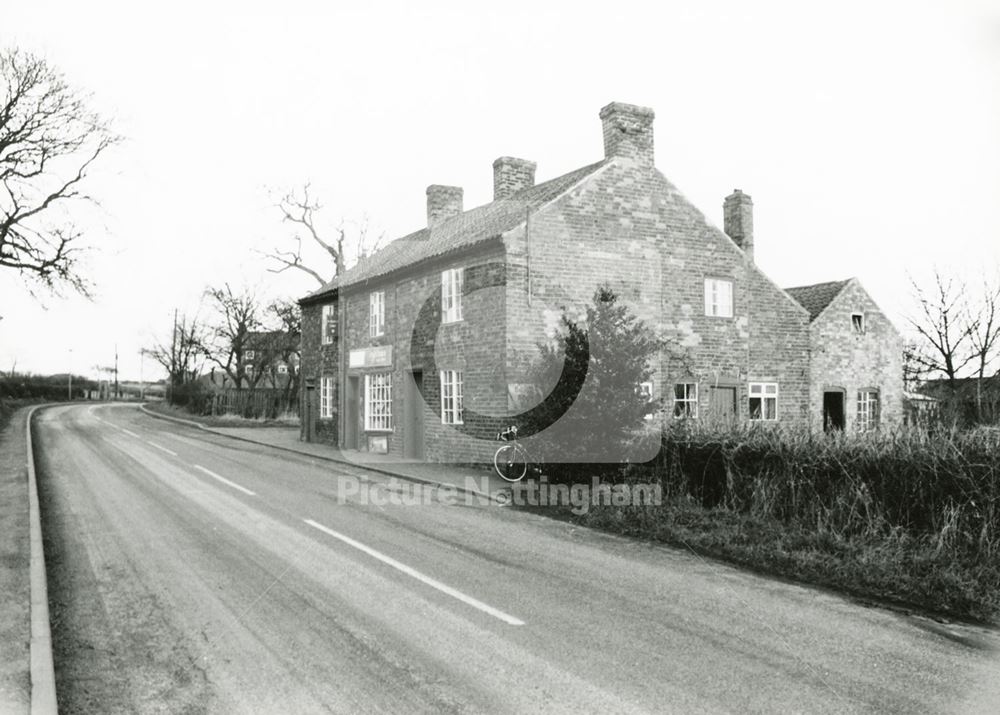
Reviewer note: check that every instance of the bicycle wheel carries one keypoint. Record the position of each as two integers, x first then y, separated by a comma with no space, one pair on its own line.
511,462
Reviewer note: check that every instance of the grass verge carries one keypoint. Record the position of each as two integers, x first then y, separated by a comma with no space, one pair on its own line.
164,408
897,568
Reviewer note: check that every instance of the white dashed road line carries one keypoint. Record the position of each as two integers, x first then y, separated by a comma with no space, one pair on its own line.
433,583
225,481
131,434
162,449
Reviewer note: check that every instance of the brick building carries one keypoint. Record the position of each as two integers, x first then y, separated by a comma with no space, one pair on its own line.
263,358
855,357
425,348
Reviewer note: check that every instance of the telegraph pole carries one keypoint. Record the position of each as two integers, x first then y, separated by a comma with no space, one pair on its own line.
116,371
173,362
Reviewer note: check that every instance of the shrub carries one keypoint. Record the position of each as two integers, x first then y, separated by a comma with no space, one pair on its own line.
195,397
589,419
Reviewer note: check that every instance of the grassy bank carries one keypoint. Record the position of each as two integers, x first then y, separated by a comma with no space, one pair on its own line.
8,406
162,407
904,517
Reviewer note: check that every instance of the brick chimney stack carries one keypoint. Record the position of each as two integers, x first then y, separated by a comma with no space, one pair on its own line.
737,220
628,132
443,202
510,175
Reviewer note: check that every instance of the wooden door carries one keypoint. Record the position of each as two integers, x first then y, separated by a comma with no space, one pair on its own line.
413,425
352,403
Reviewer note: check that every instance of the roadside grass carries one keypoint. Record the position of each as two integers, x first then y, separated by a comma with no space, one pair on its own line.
9,406
904,517
896,568
288,419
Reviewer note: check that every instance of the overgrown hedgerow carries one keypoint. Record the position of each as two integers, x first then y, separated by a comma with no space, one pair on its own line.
945,484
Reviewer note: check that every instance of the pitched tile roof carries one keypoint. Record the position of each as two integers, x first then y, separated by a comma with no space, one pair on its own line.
816,297
466,229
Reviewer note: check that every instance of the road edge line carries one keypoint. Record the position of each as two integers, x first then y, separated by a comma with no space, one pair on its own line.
377,470
43,677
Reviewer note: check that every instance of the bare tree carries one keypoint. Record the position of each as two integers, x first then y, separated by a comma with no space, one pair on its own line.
943,323
48,142
181,356
984,336
340,250
233,331
285,343
914,370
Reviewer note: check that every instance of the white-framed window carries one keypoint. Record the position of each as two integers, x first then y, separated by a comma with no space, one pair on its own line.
248,354
378,401
325,397
282,369
686,399
329,328
858,323
376,313
248,368
451,397
867,410
763,401
718,298
451,294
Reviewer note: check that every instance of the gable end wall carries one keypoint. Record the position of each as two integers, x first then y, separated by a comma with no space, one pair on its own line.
845,360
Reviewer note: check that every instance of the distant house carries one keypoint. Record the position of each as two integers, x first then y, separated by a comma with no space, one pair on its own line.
966,399
267,359
426,348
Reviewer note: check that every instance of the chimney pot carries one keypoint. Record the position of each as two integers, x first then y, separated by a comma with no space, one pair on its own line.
737,220
628,132
510,175
443,202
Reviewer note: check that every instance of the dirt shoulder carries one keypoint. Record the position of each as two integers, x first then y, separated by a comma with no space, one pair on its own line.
15,558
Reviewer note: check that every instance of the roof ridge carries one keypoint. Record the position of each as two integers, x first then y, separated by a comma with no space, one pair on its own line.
818,296
816,285
459,231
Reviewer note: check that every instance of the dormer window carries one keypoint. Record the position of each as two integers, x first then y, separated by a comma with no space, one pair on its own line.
858,323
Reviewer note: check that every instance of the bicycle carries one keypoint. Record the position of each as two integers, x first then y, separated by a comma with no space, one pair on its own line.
511,458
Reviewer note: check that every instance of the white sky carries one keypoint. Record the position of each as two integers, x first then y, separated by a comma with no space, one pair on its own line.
867,133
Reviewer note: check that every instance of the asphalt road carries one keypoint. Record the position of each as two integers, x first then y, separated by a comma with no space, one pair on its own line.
193,573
